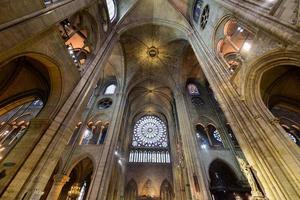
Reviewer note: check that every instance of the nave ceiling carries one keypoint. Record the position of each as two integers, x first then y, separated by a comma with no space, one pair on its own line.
158,61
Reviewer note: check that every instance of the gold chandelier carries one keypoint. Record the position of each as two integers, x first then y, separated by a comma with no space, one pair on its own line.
74,192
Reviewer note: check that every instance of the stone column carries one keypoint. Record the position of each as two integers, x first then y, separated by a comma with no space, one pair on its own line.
46,153
100,182
192,162
270,157
59,182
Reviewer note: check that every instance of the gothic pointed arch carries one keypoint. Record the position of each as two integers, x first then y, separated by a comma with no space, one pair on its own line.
79,180
214,135
233,39
276,94
224,183
131,190
166,191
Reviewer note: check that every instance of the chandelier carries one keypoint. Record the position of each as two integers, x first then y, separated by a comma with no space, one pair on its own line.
74,192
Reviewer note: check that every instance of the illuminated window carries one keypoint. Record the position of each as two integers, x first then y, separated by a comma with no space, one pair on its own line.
197,9
87,136
202,137
111,7
232,136
293,138
150,141
204,17
214,136
193,90
143,156
292,134
150,131
217,135
110,89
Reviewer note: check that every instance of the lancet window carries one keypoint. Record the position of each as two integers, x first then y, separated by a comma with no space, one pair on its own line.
209,136
95,133
293,133
111,8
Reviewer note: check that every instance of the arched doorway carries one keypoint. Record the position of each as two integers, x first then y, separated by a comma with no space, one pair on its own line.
224,184
30,94
80,178
166,192
131,190
280,91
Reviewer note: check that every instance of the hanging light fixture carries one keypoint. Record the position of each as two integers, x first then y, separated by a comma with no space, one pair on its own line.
74,192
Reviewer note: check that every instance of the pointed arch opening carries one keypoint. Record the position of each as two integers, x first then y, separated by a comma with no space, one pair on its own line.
224,183
131,190
166,191
279,89
80,179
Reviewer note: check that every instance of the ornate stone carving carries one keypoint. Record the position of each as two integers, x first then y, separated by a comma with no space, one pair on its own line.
246,169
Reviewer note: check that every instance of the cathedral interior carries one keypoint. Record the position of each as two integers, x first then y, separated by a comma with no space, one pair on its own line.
150,100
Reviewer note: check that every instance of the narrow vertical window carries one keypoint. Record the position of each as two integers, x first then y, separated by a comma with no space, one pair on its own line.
110,89
111,8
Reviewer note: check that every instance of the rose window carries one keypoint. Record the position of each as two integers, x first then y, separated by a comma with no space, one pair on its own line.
150,131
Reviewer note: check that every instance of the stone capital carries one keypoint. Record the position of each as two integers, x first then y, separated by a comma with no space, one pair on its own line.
61,179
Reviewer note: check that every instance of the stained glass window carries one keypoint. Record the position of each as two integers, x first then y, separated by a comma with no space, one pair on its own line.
150,131
110,89
111,9
217,135
144,156
87,136
197,9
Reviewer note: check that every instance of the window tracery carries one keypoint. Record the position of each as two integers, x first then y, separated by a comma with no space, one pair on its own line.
208,136
217,135
204,17
149,141
197,10
150,131
104,103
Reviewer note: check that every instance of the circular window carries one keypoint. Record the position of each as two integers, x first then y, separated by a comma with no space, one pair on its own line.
105,103
150,131
197,101
204,17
